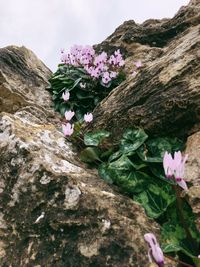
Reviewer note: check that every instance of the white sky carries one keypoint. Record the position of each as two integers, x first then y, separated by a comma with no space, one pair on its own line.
45,26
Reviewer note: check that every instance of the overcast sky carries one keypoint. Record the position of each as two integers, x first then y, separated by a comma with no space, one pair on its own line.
45,26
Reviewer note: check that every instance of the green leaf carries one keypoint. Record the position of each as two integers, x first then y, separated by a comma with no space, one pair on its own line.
196,261
158,170
75,84
115,156
154,149
138,163
155,199
123,163
144,155
132,140
107,153
122,172
89,155
83,95
95,138
104,173
173,234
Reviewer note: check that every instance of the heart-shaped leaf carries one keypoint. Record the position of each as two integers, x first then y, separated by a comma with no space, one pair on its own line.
95,138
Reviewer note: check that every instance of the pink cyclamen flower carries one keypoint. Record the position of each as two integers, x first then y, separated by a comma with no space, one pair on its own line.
68,129
65,58
113,74
106,77
138,64
175,167
121,62
134,73
69,115
168,165
155,251
179,169
88,117
65,96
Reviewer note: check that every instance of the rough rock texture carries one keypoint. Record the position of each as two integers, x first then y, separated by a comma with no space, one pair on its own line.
193,173
164,97
19,93
54,211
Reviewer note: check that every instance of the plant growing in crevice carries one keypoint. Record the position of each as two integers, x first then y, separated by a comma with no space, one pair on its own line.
84,78
136,166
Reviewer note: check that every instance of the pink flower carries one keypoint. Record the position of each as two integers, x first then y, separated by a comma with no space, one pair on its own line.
95,73
88,117
62,50
134,73
66,96
113,74
68,129
155,251
179,169
101,67
138,64
175,167
121,62
84,60
88,50
106,78
102,58
69,115
168,165
112,60
65,58
117,53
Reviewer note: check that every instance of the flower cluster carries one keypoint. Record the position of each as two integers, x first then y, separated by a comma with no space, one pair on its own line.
155,253
100,66
68,128
174,168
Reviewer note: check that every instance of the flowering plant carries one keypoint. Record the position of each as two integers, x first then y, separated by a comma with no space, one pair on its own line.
84,78
135,165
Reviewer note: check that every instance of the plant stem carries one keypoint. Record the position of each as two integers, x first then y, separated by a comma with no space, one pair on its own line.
178,261
183,221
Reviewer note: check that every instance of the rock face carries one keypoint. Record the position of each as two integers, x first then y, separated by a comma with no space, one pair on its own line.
17,92
193,174
54,211
164,97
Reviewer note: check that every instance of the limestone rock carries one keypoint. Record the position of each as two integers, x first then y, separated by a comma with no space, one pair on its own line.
23,79
164,97
192,173
54,210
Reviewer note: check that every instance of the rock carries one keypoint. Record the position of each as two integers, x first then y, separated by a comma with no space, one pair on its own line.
164,97
19,93
192,174
54,211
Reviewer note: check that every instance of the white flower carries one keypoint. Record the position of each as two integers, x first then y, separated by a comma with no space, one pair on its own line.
88,117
